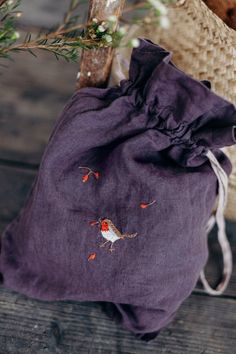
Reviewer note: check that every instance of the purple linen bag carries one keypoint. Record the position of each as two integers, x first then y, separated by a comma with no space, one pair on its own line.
119,210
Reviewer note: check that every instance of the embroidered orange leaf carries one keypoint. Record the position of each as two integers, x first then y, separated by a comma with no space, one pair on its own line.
93,222
145,205
92,256
96,174
85,178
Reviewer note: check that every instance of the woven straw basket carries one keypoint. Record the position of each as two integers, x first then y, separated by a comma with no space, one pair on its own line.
204,47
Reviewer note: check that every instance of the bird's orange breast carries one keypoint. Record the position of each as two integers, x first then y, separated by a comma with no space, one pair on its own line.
104,226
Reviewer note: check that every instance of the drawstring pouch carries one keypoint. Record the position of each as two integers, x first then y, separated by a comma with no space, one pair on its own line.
121,206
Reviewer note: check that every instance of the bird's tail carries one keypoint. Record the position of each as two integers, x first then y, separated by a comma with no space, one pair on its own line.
130,235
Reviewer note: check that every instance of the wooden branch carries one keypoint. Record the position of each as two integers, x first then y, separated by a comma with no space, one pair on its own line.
225,9
96,63
2,2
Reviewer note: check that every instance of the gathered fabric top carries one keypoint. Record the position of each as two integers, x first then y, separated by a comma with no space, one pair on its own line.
181,108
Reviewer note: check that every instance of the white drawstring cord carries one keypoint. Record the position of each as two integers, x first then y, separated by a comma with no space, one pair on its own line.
221,234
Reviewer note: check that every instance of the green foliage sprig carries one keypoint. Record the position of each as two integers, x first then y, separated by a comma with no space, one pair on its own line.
66,39
8,34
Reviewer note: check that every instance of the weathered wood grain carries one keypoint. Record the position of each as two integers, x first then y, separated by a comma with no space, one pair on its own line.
34,90
203,325
96,64
33,93
214,266
15,184
44,13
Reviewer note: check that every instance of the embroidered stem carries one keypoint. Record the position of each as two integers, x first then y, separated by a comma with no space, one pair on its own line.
85,178
145,205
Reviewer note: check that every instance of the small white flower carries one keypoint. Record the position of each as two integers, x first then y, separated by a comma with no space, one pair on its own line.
109,2
95,20
112,18
101,28
159,6
16,35
147,19
107,38
10,2
164,22
89,73
122,31
135,42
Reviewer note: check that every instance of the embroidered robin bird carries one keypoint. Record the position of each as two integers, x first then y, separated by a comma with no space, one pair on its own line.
111,233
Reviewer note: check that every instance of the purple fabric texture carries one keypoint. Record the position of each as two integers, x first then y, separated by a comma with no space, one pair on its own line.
124,165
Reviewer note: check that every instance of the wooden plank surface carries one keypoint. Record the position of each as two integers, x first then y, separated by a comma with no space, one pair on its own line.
15,184
33,93
34,90
44,13
203,325
215,265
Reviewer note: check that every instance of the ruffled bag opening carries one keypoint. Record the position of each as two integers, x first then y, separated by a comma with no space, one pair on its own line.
193,117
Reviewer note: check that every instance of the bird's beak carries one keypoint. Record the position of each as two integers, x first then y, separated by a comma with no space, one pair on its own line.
92,223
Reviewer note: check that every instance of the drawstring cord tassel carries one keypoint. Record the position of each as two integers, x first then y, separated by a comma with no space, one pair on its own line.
221,233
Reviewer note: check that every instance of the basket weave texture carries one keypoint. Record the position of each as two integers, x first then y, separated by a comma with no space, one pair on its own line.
202,46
